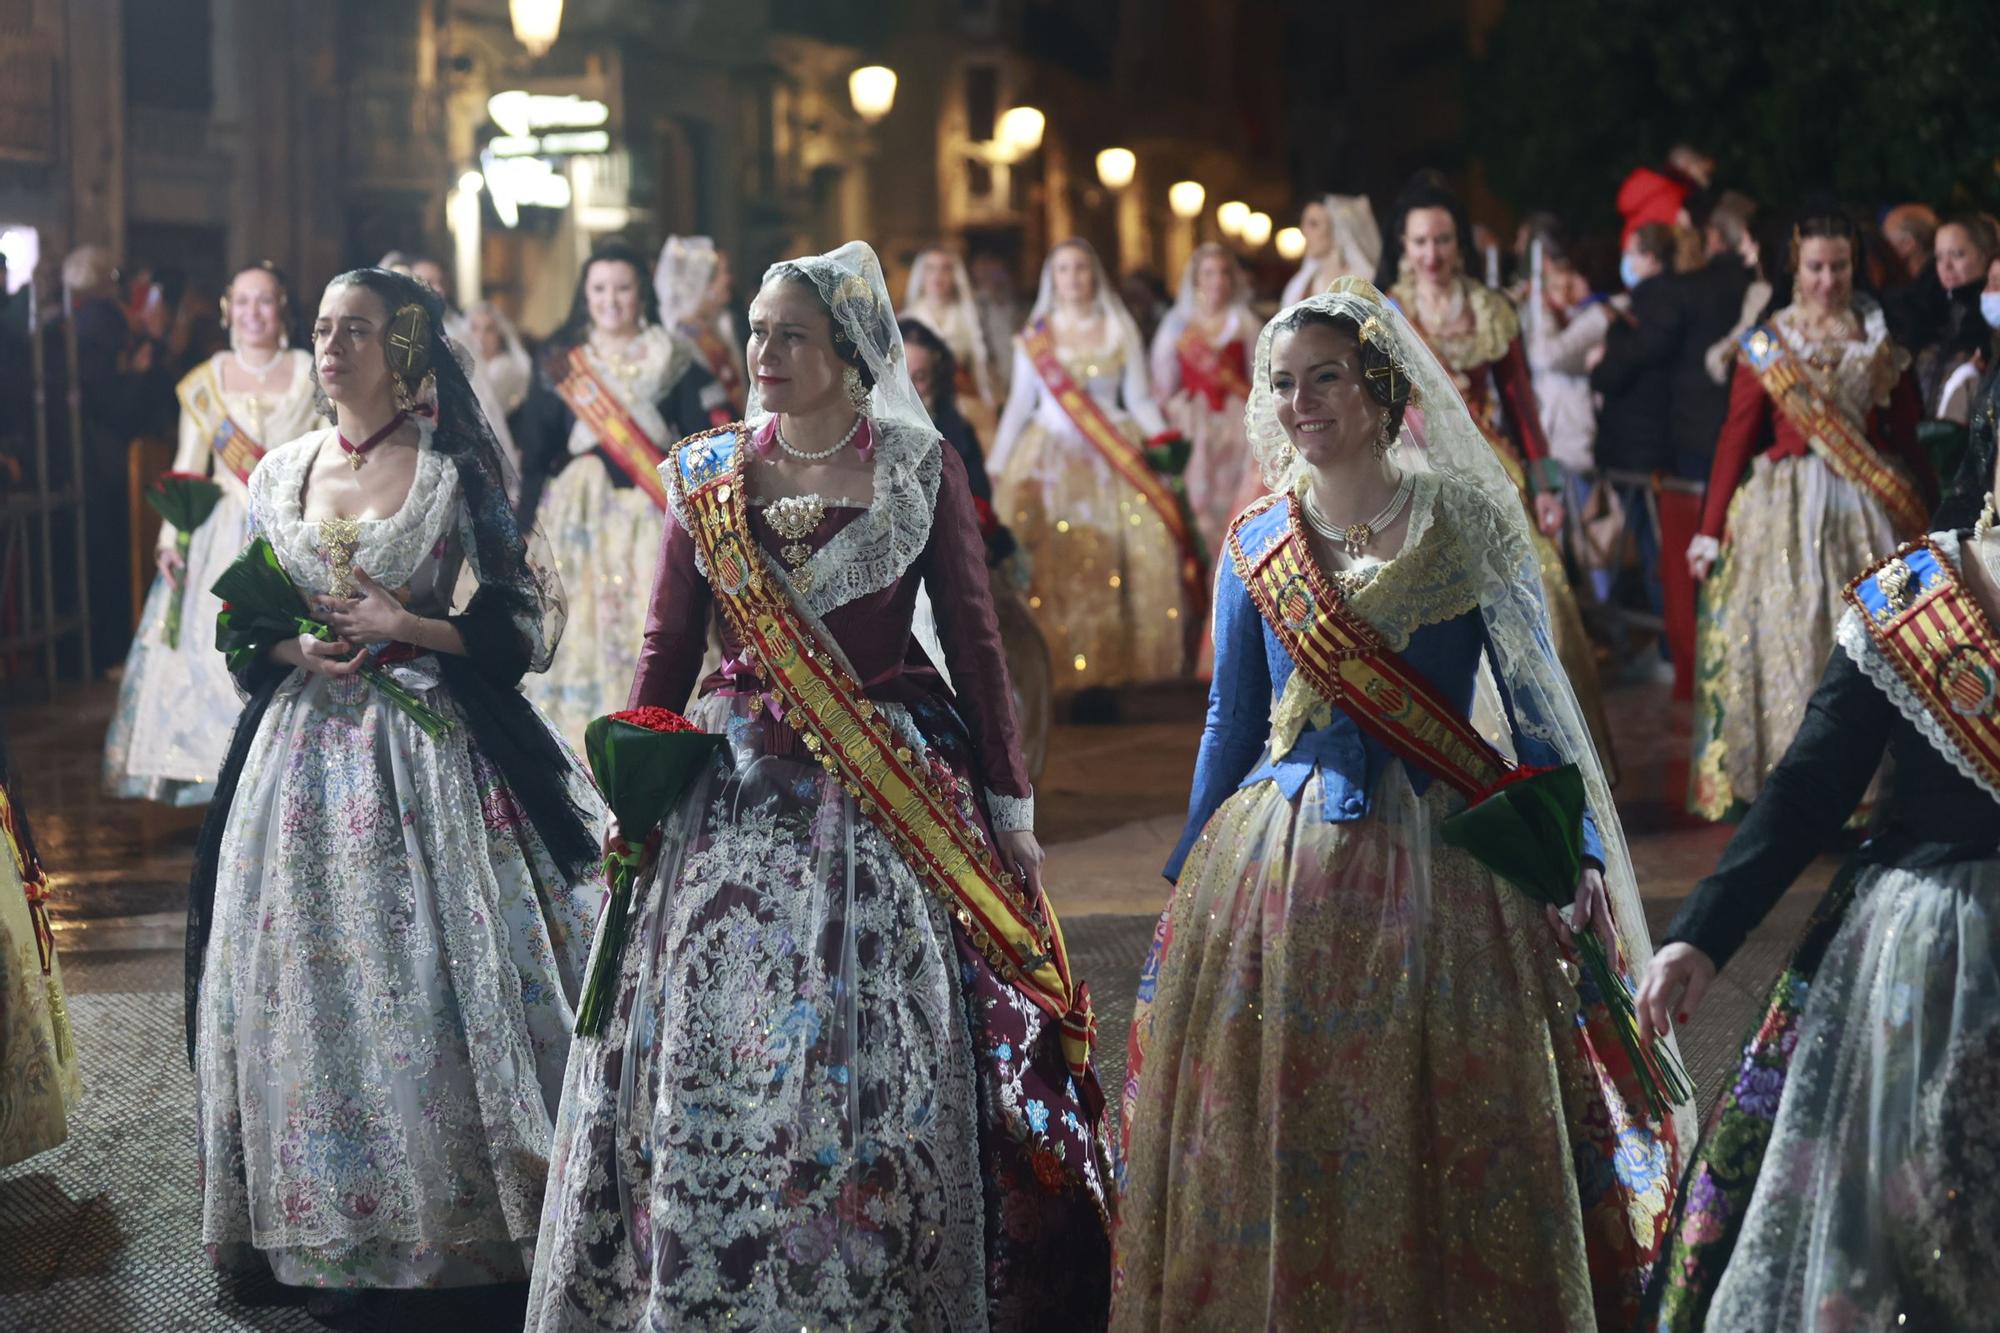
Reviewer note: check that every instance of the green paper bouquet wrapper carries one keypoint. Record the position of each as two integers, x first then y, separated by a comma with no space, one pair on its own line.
185,500
644,760
1528,830
261,607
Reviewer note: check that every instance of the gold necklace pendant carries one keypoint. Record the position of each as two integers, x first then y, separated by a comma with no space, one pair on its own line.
795,517
338,537
355,458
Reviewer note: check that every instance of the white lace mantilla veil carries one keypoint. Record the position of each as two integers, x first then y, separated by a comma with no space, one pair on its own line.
1108,302
965,308
849,280
1439,435
686,268
1187,301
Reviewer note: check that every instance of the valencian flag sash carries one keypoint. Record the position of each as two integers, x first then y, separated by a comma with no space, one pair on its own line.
201,398
715,356
1125,457
1215,374
1923,620
1832,434
926,814
1350,666
628,447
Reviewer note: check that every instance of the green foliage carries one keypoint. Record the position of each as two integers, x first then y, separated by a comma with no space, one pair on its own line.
1875,101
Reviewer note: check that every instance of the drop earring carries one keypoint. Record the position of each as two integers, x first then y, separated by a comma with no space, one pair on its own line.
857,391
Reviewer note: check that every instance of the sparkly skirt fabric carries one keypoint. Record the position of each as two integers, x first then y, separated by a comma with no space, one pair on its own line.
1222,472
1878,1199
1575,650
1797,533
814,1104
606,544
38,1075
1106,586
177,706
386,1004
1364,1094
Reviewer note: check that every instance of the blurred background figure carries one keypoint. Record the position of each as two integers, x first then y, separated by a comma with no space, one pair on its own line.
1342,239
1201,378
502,373
694,285
939,295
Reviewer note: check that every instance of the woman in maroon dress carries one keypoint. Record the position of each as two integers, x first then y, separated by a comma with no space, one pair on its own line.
845,1080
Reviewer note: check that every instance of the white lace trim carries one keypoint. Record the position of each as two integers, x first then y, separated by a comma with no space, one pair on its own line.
390,548
1854,640
1860,381
878,546
663,358
1011,814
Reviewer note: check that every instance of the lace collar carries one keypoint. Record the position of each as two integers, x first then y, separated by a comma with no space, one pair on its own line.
1857,375
880,544
1427,581
1494,327
389,548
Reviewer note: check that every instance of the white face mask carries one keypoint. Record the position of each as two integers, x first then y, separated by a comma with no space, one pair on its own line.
1989,307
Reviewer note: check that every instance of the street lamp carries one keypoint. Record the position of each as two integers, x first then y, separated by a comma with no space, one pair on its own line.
872,89
536,23
1291,244
1116,167
1185,198
1231,217
1020,130
1256,230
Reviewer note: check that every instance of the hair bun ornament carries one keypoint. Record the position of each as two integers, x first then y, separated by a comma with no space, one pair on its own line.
409,342
1348,284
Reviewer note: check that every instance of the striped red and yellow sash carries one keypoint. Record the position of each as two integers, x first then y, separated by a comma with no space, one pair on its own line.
1125,458
715,355
201,398
628,447
1350,666
926,815
1922,618
1832,434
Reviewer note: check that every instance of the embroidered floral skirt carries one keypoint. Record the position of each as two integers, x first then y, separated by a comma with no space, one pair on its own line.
386,1004
38,1076
606,543
1364,1094
1106,586
1797,533
1867,1116
178,706
814,1105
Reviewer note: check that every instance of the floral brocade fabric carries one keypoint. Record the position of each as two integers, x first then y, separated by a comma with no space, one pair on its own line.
814,1104
1797,532
1365,1094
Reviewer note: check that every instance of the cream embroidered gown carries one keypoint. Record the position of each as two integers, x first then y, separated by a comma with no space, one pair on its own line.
387,996
177,706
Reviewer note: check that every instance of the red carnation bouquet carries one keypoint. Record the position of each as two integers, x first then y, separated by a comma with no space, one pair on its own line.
184,499
644,760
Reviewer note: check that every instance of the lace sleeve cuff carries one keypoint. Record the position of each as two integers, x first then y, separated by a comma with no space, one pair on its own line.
1011,814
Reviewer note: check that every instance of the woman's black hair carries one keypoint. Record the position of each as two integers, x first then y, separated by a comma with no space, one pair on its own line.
463,435
944,370
1387,385
576,327
1426,189
870,313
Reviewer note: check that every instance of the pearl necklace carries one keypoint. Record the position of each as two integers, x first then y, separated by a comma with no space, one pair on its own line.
1354,537
258,373
823,454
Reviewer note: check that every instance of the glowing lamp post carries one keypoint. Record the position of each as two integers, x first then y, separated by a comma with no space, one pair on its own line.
1185,198
1231,217
1291,244
1116,167
1019,131
1256,230
536,23
872,89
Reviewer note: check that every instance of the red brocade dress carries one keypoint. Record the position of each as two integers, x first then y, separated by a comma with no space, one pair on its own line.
816,1104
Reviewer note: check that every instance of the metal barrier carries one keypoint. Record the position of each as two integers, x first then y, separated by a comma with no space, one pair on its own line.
29,520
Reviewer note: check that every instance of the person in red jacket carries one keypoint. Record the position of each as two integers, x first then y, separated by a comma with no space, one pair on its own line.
1817,474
